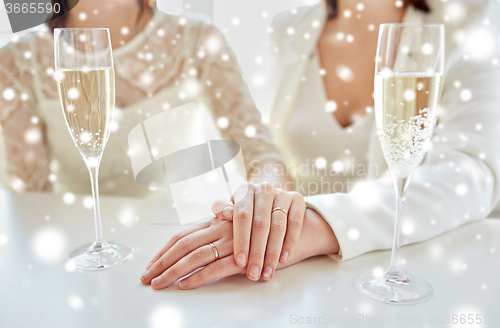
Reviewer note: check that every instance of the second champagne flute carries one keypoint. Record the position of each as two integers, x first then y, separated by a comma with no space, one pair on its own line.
409,67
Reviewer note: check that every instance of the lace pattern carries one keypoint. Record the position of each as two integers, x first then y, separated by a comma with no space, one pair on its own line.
169,52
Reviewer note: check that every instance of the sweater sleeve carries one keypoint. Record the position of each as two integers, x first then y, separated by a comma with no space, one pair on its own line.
459,179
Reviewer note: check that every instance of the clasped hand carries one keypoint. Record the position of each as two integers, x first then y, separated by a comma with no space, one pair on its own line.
249,236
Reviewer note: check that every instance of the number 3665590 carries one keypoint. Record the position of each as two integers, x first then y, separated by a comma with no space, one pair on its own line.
32,8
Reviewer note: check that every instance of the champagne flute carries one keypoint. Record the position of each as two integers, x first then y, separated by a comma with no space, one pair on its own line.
86,83
409,66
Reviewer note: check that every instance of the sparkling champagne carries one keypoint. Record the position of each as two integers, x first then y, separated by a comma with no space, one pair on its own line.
405,106
87,99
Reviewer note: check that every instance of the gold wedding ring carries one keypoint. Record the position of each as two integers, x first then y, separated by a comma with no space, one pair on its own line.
279,209
216,252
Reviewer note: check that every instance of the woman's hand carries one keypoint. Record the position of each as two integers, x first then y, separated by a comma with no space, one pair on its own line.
190,250
261,235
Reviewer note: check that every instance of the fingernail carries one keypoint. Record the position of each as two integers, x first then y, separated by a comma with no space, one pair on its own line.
145,276
284,256
254,273
156,281
266,274
241,260
183,284
228,212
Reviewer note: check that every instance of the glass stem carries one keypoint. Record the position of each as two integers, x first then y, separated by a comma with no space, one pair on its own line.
400,184
93,167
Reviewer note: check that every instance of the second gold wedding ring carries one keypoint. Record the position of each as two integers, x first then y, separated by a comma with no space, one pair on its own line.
279,209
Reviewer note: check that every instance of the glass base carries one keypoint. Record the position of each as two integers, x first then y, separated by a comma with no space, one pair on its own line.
396,288
100,255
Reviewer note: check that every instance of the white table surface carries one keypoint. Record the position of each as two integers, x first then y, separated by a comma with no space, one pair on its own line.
38,289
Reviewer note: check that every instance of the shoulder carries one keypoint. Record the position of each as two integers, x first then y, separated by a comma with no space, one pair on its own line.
191,30
293,17
12,54
16,44
471,28
461,13
189,24
23,48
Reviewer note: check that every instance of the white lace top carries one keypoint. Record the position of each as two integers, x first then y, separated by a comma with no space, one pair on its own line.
171,62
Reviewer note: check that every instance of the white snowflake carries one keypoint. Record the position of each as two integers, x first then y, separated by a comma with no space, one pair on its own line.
345,73
480,43
465,95
330,106
147,78
461,189
49,245
455,11
17,184
32,136
250,131
407,228
73,93
337,166
166,315
353,234
128,216
222,122
70,266
69,198
8,94
4,239
409,95
427,48
259,80
76,303
320,162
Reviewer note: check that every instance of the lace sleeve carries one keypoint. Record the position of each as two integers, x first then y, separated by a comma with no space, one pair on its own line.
229,99
24,153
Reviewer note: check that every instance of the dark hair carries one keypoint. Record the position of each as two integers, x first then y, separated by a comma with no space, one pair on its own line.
419,4
59,19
